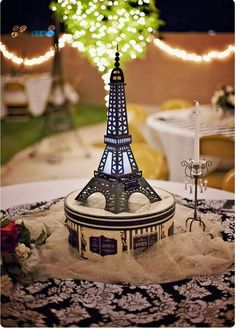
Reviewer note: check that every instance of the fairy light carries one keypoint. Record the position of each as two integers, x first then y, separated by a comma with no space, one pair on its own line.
28,62
194,57
68,39
96,20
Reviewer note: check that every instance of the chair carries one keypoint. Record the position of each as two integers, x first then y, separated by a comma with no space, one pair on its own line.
15,99
136,113
175,104
229,181
221,148
136,116
152,163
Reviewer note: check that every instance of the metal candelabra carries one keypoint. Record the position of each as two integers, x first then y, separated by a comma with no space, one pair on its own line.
194,176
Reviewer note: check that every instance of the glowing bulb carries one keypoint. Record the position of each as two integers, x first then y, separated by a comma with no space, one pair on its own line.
101,68
149,38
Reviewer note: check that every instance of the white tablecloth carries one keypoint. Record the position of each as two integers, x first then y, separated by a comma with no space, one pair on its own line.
46,190
172,134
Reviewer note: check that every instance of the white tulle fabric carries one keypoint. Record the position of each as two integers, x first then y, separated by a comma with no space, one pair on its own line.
176,257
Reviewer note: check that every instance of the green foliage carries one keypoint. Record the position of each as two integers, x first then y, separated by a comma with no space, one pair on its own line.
16,135
89,114
24,236
41,239
98,26
5,222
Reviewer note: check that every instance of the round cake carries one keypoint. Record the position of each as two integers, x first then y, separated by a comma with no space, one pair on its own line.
96,233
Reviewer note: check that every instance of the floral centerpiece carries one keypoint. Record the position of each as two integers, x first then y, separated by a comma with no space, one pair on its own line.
19,254
223,99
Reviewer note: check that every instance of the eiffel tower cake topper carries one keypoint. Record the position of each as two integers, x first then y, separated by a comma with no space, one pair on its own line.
117,176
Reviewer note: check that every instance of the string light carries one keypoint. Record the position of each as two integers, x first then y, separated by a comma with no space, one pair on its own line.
102,63
193,57
26,61
68,39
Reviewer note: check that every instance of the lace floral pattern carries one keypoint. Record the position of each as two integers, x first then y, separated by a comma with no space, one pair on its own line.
200,301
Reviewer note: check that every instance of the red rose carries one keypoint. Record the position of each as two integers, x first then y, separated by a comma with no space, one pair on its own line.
9,237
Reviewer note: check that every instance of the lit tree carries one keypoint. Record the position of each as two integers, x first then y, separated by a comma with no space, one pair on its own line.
98,26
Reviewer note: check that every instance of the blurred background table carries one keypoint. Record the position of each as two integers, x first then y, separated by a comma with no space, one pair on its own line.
31,90
172,134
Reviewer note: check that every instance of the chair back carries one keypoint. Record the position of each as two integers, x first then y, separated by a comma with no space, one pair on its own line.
176,104
152,163
217,146
136,113
15,99
14,86
229,181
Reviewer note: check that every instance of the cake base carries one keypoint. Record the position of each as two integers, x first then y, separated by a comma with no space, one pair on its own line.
96,233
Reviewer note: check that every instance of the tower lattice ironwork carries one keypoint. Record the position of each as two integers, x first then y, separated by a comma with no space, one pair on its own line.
117,176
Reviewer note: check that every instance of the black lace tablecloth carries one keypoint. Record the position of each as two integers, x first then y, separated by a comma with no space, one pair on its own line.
200,301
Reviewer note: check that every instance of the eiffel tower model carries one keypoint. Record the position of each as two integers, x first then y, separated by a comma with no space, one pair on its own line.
118,175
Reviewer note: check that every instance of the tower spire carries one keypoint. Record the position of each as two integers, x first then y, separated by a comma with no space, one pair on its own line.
117,176
117,58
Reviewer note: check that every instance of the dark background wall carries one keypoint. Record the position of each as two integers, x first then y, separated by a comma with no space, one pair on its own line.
179,15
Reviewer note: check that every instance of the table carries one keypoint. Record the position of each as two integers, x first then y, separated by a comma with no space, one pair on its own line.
199,301
172,134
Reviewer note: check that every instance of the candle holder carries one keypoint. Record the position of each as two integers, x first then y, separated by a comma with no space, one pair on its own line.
194,177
